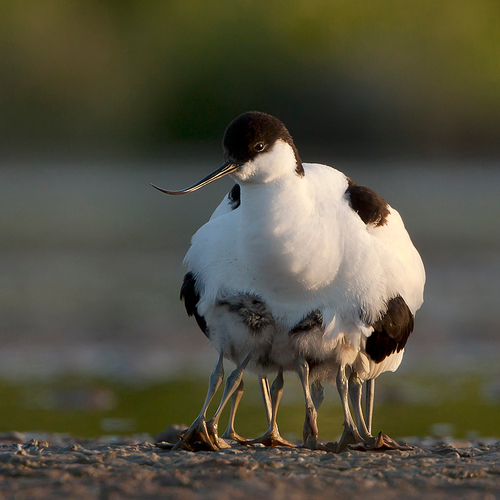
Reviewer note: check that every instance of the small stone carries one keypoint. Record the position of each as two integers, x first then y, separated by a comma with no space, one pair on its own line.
19,450
31,442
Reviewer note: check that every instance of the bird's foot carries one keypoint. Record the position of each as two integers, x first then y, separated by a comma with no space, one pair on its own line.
232,435
380,443
212,427
312,443
310,432
349,438
199,437
272,438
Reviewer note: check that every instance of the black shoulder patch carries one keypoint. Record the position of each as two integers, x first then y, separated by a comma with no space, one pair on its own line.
391,331
191,298
235,197
371,207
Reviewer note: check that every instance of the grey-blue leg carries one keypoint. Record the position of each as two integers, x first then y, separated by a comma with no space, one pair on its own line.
310,430
369,443
350,434
232,384
197,436
370,395
230,433
272,396
317,394
355,394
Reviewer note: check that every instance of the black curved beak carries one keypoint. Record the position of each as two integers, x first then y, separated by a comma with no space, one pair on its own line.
227,168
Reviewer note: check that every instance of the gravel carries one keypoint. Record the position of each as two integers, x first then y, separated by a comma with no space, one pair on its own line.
52,467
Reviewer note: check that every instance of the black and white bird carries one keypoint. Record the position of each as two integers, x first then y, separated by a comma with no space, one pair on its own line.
300,268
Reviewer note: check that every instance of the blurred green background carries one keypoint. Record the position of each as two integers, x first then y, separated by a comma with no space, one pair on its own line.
99,98
359,77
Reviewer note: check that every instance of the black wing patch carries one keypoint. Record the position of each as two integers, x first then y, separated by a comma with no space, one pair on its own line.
235,197
391,331
191,298
371,207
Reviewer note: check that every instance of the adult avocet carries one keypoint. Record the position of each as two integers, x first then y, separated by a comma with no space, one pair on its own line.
300,268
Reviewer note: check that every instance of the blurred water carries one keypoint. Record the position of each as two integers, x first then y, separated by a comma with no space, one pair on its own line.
91,263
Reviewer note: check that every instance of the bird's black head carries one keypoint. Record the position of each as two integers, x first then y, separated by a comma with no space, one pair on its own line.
253,133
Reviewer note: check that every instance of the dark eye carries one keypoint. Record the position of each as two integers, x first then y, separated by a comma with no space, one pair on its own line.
260,146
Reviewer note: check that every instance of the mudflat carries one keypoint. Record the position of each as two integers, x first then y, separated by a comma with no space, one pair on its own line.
121,467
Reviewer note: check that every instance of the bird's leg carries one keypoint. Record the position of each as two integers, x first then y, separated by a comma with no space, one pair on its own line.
310,431
370,395
350,435
230,433
197,437
272,398
355,393
232,384
266,396
370,443
317,394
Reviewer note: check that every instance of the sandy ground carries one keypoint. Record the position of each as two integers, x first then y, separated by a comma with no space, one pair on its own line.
117,467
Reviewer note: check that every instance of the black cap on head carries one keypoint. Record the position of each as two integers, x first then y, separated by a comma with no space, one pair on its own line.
253,133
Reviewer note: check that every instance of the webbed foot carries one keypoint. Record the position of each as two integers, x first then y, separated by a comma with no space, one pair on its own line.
272,438
232,435
380,443
312,443
197,438
348,439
